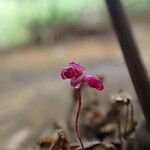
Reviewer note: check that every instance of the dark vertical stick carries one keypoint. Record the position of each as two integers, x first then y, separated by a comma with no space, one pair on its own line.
131,55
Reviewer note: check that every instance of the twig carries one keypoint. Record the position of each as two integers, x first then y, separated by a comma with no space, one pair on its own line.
131,55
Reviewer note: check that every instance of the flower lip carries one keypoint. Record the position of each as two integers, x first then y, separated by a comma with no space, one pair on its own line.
94,82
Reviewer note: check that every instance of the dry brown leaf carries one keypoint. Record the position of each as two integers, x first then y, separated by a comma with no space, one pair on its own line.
56,141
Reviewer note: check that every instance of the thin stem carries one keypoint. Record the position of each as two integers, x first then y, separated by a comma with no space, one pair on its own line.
77,116
132,113
119,130
126,121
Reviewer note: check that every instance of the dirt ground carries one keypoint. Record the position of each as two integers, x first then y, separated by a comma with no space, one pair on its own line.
32,94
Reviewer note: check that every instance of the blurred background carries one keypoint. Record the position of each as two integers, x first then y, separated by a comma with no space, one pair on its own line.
37,39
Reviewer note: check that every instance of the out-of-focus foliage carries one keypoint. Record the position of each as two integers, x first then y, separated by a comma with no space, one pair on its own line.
137,6
17,17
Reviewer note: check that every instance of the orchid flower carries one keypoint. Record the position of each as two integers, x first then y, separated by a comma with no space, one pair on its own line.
77,75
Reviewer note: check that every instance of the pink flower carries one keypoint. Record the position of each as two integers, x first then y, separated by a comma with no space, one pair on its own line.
94,82
76,73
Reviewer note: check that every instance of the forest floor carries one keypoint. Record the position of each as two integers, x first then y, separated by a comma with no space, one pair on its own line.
32,94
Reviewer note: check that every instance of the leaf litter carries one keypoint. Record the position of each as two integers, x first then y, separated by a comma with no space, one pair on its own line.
113,130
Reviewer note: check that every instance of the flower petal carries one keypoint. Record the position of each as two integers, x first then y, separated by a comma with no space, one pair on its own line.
77,66
68,73
94,82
